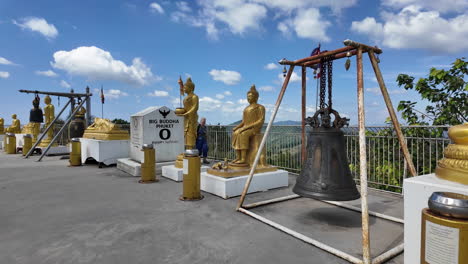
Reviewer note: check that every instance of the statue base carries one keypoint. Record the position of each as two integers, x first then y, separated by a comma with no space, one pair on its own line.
231,187
1,140
235,169
416,192
45,143
176,174
106,136
103,151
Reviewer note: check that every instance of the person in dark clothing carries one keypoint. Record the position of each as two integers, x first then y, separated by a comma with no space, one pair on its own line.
202,144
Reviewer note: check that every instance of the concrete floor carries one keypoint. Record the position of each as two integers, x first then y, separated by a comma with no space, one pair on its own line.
50,213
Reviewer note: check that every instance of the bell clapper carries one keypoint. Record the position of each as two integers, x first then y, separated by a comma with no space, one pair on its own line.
348,61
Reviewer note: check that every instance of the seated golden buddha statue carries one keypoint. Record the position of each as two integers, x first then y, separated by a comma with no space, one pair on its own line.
2,126
454,166
104,129
15,125
246,138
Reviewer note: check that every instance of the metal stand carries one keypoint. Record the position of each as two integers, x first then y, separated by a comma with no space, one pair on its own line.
352,48
71,97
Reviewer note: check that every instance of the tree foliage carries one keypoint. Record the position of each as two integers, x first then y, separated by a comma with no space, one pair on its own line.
120,121
445,90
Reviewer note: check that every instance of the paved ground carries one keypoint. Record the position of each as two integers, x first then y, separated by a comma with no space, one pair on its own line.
50,213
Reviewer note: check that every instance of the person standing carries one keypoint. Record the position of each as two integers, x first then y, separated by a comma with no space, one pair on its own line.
202,144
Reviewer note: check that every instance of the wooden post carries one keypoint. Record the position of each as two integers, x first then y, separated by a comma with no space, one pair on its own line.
363,161
303,137
265,135
391,111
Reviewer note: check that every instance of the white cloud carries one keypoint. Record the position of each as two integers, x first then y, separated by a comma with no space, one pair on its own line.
155,7
38,24
114,93
271,66
376,91
159,93
242,101
227,93
48,73
266,88
220,96
289,5
98,64
458,6
309,24
183,6
4,75
227,77
208,104
64,84
417,29
368,26
5,61
294,77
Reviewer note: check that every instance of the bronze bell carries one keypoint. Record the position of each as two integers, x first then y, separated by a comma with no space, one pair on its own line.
325,175
35,115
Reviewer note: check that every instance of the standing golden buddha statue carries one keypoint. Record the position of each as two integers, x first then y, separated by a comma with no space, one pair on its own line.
49,116
15,125
2,126
189,112
246,139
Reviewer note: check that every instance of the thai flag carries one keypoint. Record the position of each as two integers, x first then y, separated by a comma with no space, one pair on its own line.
316,67
102,96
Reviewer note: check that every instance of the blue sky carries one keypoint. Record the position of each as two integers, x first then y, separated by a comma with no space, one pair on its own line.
137,49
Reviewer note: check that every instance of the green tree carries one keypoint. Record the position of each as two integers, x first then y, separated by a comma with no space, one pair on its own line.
446,91
120,121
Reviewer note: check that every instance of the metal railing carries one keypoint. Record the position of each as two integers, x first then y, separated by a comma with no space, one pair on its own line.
386,165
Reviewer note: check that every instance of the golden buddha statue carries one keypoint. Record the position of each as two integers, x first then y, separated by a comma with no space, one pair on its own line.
189,112
104,129
49,116
246,139
15,125
2,126
454,166
35,120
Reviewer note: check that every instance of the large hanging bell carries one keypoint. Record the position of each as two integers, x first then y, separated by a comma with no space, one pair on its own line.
36,115
325,175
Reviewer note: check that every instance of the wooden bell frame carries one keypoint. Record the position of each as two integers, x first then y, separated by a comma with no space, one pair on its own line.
351,48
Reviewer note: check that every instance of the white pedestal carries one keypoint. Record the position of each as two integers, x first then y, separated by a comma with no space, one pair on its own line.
57,150
1,141
231,187
417,191
103,151
176,174
129,166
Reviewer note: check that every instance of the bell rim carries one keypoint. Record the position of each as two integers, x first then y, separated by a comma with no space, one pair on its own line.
334,195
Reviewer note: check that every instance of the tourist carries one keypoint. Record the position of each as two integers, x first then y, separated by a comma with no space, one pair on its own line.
202,144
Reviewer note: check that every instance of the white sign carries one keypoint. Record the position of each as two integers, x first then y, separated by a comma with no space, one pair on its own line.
160,127
441,244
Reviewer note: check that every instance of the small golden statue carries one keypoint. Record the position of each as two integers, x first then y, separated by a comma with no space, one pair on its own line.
35,120
189,112
49,116
454,166
104,129
2,126
15,125
246,138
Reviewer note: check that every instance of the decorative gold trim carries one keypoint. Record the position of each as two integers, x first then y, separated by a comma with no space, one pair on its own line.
237,171
454,151
452,174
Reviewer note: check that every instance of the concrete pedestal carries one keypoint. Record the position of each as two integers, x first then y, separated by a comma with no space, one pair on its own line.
133,167
417,191
231,187
19,140
103,151
176,174
57,150
1,141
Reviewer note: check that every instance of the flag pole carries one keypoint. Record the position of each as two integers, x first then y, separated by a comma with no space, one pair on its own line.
102,101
